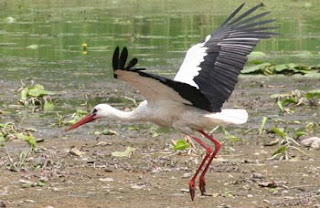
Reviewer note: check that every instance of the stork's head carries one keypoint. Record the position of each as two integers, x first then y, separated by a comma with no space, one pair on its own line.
99,111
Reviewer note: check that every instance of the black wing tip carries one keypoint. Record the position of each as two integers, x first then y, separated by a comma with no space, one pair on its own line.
119,60
115,59
241,5
231,19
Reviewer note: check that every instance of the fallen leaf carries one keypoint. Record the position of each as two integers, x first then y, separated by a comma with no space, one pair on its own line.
181,145
76,152
127,153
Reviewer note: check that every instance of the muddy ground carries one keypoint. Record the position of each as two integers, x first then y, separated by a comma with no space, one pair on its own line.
76,169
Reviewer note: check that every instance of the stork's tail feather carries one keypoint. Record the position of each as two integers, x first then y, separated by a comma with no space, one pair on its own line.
230,116
120,62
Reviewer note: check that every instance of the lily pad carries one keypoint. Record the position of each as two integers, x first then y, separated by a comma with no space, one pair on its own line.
257,55
37,91
256,69
290,68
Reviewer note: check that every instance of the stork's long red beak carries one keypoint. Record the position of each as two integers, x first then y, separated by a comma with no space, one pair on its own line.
88,118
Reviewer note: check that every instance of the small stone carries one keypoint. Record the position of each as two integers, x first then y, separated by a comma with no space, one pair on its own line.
269,184
266,201
249,195
134,186
56,189
313,142
2,204
186,175
257,175
315,145
103,144
106,179
108,170
184,190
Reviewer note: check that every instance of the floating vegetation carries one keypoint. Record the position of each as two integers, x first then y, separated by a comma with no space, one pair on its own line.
256,56
285,138
287,143
70,119
35,95
288,69
8,132
296,98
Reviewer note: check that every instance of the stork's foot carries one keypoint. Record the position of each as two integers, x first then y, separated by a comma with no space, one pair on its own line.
202,185
192,189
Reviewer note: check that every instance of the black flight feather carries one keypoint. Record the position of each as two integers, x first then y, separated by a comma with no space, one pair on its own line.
186,91
118,63
226,53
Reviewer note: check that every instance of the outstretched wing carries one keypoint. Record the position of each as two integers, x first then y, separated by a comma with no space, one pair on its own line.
213,66
153,87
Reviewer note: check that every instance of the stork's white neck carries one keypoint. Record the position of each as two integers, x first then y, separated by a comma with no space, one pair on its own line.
109,112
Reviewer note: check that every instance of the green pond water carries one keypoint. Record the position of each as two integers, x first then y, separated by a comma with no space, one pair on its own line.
42,40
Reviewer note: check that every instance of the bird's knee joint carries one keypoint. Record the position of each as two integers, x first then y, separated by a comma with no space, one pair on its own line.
209,150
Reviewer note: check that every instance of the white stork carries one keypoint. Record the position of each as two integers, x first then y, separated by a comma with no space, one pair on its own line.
192,101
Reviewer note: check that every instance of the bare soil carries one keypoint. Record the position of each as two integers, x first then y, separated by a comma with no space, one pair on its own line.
155,175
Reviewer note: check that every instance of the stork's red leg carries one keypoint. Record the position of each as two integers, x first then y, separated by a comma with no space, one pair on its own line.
192,186
202,183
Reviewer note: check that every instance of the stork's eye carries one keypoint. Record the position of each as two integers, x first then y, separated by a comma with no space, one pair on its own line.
94,111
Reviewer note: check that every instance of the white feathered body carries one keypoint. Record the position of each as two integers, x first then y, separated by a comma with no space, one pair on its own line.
186,118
